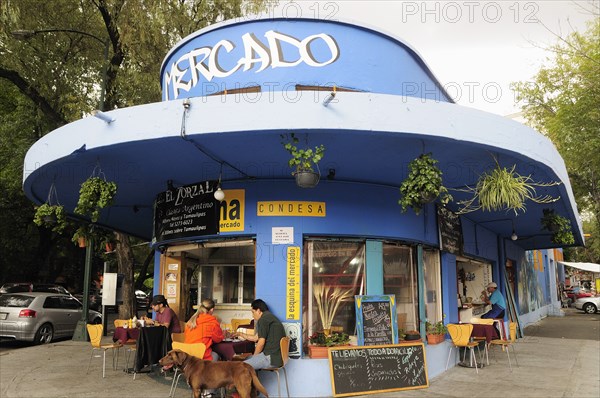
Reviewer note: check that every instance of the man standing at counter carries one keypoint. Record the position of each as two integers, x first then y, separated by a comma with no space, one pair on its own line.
497,302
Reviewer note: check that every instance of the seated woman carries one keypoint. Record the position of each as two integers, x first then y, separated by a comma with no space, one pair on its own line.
203,327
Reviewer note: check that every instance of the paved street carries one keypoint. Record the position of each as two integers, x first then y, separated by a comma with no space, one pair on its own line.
558,357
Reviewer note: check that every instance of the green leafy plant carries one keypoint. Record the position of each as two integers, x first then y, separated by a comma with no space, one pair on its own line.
559,226
322,340
95,194
51,216
81,233
435,328
302,159
503,189
423,184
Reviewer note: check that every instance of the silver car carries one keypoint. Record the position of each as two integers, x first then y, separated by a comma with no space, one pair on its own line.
41,317
589,305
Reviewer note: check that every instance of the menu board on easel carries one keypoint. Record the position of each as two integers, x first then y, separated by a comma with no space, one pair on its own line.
376,319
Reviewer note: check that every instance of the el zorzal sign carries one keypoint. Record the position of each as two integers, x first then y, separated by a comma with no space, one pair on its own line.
191,210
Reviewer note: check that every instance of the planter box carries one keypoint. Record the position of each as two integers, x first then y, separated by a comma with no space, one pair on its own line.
435,338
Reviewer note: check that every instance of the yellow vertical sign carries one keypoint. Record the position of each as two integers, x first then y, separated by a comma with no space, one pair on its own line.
292,312
232,210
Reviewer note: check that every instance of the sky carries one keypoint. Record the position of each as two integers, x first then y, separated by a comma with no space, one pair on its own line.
476,49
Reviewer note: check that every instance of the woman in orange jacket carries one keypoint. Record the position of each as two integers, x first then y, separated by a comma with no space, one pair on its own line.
203,327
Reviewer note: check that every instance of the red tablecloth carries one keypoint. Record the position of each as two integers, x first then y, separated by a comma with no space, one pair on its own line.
488,331
227,349
122,334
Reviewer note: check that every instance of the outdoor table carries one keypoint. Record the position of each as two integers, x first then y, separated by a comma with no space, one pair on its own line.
124,334
228,349
153,343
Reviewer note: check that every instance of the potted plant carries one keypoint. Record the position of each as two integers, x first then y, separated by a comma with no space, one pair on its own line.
51,216
304,161
328,301
436,332
95,194
559,226
423,184
503,189
81,236
319,342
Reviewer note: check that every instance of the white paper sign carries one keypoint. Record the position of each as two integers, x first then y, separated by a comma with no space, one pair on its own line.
282,235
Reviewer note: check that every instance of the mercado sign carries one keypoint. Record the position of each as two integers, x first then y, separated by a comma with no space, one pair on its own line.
191,210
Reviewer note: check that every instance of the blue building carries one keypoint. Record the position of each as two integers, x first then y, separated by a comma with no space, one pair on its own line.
231,94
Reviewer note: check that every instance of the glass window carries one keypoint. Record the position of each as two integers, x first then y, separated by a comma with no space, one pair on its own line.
228,284
52,302
433,289
399,278
70,303
15,300
335,271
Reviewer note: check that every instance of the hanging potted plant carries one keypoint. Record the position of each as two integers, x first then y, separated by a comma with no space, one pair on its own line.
503,189
95,194
304,161
423,184
436,332
51,216
559,226
81,236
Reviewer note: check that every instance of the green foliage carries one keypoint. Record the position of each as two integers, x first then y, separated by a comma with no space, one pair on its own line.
503,189
563,102
81,232
559,226
302,159
435,328
320,339
95,194
51,216
423,184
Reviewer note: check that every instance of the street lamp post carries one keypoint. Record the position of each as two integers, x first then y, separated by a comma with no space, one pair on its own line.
80,333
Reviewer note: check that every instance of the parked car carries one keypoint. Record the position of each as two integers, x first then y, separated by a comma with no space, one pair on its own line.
142,300
41,317
577,293
33,287
589,305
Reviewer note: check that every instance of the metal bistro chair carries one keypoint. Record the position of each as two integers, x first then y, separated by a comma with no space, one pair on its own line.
194,349
461,335
284,344
506,344
95,333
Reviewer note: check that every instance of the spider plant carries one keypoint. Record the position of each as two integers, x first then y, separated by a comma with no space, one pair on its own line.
328,301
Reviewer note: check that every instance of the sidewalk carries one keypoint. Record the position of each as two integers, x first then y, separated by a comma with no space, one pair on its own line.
558,357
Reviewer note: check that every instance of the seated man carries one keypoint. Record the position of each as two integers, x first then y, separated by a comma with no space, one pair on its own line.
165,316
496,300
267,335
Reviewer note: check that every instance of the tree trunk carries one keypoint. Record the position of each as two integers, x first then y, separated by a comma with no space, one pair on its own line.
125,262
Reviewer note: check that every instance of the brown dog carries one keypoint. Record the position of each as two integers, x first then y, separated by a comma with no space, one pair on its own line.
202,374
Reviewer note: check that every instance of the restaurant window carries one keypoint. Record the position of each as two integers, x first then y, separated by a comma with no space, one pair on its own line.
433,288
228,284
332,269
399,278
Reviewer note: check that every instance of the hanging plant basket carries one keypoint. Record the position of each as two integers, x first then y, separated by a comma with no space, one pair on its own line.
51,216
423,184
306,178
95,194
559,226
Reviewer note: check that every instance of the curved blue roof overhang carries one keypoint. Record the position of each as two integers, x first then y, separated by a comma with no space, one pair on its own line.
370,138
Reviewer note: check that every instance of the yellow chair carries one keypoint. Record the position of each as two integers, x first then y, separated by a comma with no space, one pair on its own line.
505,344
178,337
235,323
194,349
131,344
284,345
461,335
95,333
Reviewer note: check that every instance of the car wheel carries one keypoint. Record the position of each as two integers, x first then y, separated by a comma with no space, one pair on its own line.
589,308
44,334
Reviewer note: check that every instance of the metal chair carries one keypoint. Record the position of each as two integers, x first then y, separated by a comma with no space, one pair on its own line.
194,349
284,345
506,344
131,344
95,333
461,335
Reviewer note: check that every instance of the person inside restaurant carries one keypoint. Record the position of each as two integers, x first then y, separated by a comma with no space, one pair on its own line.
269,331
165,316
203,327
496,300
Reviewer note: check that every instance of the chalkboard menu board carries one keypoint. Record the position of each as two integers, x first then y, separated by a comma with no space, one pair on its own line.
450,230
376,319
375,369
191,210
